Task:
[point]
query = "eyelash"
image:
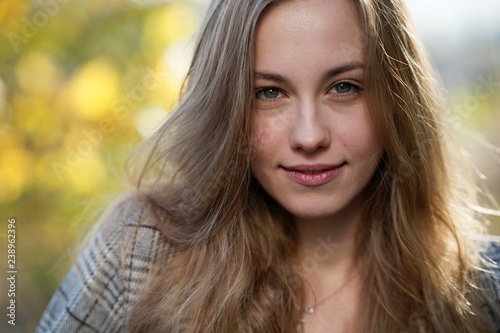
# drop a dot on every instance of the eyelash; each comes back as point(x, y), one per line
point(260, 91)
point(353, 86)
point(355, 89)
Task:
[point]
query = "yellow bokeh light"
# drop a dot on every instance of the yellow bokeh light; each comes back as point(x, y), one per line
point(35, 116)
point(166, 94)
point(150, 120)
point(10, 137)
point(37, 74)
point(168, 25)
point(178, 58)
point(15, 172)
point(93, 89)
point(84, 177)
point(11, 14)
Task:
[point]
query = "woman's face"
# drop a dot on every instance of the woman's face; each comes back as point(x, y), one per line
point(315, 148)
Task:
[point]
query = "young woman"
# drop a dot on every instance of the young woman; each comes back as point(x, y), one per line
point(306, 182)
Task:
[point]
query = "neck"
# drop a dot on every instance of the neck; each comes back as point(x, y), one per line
point(327, 252)
point(326, 245)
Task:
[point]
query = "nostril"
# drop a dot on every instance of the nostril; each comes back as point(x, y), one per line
point(310, 141)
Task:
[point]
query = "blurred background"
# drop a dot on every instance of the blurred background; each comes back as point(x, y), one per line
point(81, 81)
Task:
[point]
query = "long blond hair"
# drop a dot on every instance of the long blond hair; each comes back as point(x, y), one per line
point(234, 264)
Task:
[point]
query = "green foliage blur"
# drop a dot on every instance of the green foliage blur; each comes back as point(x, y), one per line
point(80, 82)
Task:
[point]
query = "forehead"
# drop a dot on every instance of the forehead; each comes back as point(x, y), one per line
point(319, 31)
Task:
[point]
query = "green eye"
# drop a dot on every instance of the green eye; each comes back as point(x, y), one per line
point(268, 93)
point(343, 88)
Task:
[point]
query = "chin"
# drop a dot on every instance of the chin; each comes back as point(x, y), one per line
point(320, 208)
point(311, 213)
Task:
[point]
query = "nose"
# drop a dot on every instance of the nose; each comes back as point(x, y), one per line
point(309, 131)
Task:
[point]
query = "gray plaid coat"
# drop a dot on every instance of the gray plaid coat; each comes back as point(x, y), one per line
point(97, 293)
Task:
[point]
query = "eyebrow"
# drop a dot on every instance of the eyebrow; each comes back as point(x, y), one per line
point(329, 74)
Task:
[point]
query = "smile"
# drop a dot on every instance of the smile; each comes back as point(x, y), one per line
point(313, 175)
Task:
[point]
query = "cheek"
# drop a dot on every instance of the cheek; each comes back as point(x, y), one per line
point(263, 134)
point(259, 138)
point(360, 135)
point(372, 138)
point(258, 161)
point(269, 139)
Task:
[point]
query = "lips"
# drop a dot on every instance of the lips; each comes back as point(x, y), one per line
point(313, 175)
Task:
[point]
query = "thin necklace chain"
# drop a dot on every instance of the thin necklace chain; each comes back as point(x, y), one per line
point(310, 309)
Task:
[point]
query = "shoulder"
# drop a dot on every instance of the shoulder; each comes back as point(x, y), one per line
point(127, 237)
point(488, 247)
point(492, 247)
point(489, 251)
point(131, 226)
point(98, 292)
point(488, 244)
point(489, 275)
